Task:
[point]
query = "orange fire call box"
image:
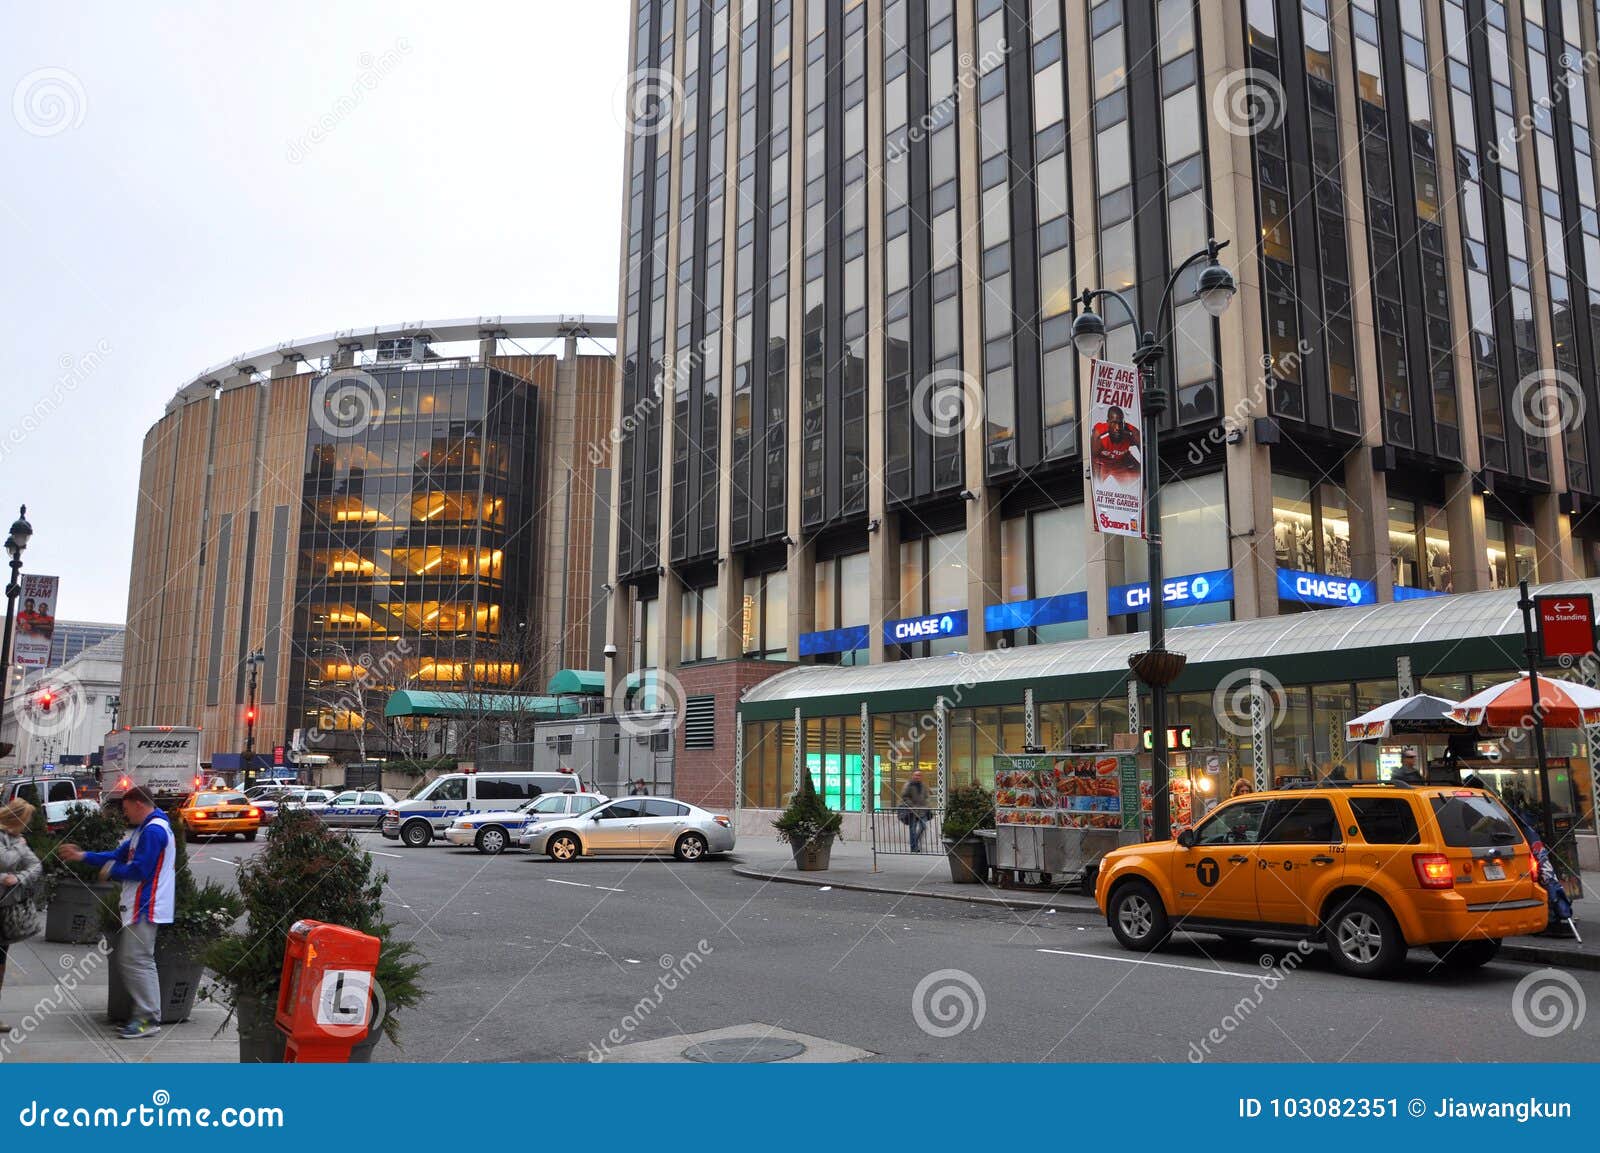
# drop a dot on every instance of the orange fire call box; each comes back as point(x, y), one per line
point(325, 995)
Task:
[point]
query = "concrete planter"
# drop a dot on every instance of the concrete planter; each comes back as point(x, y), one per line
point(73, 915)
point(969, 861)
point(812, 856)
point(179, 973)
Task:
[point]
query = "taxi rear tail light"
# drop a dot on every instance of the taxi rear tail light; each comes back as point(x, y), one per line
point(252, 812)
point(1434, 870)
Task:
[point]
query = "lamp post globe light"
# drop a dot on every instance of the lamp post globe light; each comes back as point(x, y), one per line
point(16, 542)
point(1156, 667)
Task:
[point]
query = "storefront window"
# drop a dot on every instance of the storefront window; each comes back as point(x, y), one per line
point(1335, 532)
point(1403, 543)
point(1292, 537)
point(1436, 545)
point(1500, 574)
point(1525, 553)
point(767, 769)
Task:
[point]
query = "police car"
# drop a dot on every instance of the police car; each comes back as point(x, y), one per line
point(434, 805)
point(353, 809)
point(495, 832)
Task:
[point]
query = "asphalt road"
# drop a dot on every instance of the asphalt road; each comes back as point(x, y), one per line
point(535, 961)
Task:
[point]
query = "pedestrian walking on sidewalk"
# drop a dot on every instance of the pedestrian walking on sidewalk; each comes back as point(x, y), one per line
point(913, 809)
point(144, 865)
point(20, 874)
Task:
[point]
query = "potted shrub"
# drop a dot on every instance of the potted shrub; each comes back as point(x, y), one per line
point(307, 871)
point(201, 914)
point(968, 809)
point(808, 826)
point(74, 893)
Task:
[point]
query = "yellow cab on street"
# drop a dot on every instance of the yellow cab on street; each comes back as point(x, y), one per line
point(212, 813)
point(1369, 869)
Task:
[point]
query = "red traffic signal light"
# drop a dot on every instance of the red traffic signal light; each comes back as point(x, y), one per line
point(250, 715)
point(46, 699)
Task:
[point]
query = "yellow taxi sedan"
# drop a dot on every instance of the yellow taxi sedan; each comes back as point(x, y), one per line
point(219, 815)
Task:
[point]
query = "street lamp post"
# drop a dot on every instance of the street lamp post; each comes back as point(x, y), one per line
point(16, 542)
point(1156, 667)
point(253, 662)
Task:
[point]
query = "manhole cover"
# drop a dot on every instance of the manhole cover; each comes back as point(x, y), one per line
point(744, 1050)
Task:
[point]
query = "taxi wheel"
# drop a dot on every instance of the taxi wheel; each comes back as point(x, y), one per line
point(1466, 954)
point(251, 835)
point(690, 847)
point(563, 847)
point(416, 835)
point(1137, 918)
point(492, 841)
point(190, 835)
point(1363, 938)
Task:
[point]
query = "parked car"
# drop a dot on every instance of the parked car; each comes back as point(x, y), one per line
point(57, 796)
point(353, 808)
point(635, 827)
point(431, 807)
point(304, 796)
point(1369, 869)
point(494, 832)
point(208, 814)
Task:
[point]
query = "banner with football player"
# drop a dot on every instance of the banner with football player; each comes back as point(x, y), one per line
point(1116, 449)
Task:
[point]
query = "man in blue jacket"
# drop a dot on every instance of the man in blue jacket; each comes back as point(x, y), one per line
point(144, 863)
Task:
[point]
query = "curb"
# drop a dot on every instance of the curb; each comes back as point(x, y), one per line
point(1072, 905)
point(1531, 953)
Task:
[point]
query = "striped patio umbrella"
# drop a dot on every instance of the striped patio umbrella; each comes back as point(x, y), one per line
point(1414, 715)
point(1562, 704)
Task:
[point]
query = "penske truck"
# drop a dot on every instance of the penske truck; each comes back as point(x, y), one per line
point(163, 759)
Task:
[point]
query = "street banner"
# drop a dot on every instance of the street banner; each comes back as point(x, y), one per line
point(1116, 450)
point(36, 622)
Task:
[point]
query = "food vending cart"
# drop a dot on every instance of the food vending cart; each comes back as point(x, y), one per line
point(1057, 814)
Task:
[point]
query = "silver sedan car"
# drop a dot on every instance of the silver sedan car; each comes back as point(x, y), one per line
point(633, 827)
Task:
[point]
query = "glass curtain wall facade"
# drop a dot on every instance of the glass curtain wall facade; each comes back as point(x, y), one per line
point(416, 546)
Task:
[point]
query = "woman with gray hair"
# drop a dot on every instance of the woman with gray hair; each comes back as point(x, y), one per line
point(20, 873)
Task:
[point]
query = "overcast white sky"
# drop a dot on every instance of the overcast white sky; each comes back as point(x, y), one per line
point(179, 204)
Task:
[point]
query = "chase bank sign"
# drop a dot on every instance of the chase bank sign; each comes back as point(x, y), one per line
point(912, 629)
point(1195, 589)
point(1313, 588)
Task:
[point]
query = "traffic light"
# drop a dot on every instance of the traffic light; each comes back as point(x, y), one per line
point(250, 716)
point(46, 699)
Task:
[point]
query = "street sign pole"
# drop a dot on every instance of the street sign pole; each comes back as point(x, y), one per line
point(1547, 817)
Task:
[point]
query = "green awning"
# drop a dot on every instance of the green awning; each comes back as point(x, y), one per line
point(575, 682)
point(417, 703)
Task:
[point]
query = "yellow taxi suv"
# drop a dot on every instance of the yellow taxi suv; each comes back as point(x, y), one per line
point(1368, 869)
point(212, 814)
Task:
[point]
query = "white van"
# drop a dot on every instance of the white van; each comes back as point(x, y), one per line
point(430, 807)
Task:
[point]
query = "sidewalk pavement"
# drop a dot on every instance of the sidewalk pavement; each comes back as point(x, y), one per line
point(54, 999)
point(928, 875)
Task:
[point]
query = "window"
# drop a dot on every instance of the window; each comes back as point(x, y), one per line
point(660, 742)
point(622, 810)
point(1233, 825)
point(1474, 822)
point(582, 803)
point(1385, 820)
point(448, 789)
point(657, 808)
point(345, 799)
point(1302, 822)
point(501, 789)
point(563, 744)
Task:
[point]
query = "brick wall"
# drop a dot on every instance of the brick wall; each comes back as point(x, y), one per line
point(706, 777)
